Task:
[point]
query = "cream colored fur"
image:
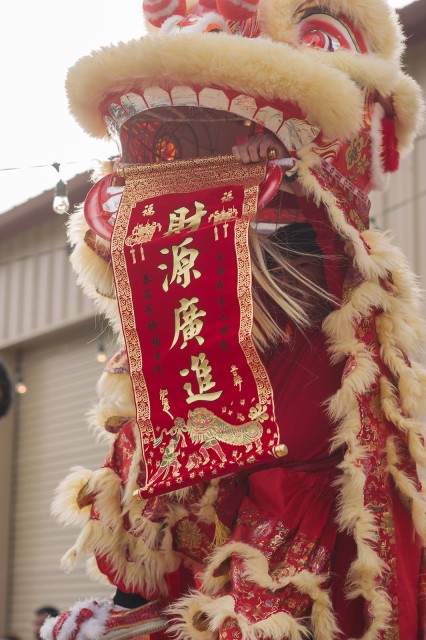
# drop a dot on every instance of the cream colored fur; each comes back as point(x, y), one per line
point(408, 489)
point(149, 544)
point(409, 108)
point(256, 67)
point(277, 627)
point(205, 508)
point(107, 537)
point(389, 82)
point(94, 275)
point(64, 506)
point(115, 397)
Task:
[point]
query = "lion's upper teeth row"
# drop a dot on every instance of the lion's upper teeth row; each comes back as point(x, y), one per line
point(293, 132)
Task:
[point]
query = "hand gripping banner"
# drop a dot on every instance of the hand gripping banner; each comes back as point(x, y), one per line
point(183, 283)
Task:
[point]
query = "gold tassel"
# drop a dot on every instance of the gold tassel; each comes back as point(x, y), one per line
point(221, 533)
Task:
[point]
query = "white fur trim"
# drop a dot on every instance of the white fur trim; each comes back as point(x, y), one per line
point(91, 629)
point(379, 177)
point(64, 506)
point(46, 630)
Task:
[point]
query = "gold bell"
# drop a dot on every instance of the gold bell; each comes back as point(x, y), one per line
point(272, 154)
point(280, 451)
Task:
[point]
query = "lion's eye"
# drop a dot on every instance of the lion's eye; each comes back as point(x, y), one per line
point(320, 40)
point(327, 33)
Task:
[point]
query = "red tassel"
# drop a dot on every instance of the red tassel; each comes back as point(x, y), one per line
point(390, 153)
point(237, 9)
point(157, 11)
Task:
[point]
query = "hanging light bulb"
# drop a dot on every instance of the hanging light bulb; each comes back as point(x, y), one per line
point(20, 386)
point(61, 204)
point(101, 355)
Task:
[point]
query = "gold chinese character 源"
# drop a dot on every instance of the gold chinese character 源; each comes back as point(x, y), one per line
point(183, 270)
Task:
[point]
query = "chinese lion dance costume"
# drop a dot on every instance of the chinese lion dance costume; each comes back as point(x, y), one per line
point(300, 512)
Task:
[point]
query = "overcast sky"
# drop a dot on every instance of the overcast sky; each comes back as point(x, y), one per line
point(39, 41)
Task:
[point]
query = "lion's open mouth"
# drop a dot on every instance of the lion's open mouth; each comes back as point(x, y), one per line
point(157, 125)
point(172, 133)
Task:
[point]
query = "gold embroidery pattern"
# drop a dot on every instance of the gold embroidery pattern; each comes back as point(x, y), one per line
point(124, 299)
point(244, 295)
point(203, 426)
point(149, 181)
point(188, 535)
point(374, 433)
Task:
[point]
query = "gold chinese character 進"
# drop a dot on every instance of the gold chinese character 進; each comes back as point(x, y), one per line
point(202, 369)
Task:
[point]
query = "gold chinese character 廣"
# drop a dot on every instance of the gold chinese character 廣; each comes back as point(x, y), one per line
point(191, 325)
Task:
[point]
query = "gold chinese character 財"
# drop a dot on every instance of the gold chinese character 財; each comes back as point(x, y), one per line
point(180, 220)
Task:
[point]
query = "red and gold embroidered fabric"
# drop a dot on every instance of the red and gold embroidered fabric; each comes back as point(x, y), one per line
point(183, 284)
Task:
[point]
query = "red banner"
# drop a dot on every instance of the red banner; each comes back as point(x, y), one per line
point(183, 283)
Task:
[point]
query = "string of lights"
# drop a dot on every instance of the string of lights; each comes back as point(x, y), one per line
point(88, 161)
point(61, 202)
point(41, 166)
